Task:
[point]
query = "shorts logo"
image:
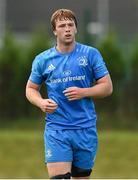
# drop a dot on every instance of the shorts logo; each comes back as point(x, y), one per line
point(48, 153)
point(83, 61)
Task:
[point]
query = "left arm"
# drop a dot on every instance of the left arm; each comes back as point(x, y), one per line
point(102, 88)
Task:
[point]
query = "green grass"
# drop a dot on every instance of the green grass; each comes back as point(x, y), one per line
point(22, 154)
point(117, 155)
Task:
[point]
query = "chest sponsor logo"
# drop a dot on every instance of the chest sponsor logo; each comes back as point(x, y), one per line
point(51, 67)
point(82, 61)
point(67, 72)
point(67, 79)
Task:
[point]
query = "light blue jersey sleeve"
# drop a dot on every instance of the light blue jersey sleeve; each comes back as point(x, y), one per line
point(36, 74)
point(98, 65)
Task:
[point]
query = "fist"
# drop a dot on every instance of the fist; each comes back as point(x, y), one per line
point(48, 105)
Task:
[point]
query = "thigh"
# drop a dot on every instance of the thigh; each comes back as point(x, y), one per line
point(58, 168)
point(85, 148)
point(57, 147)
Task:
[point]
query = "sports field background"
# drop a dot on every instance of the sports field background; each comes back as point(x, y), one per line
point(22, 152)
point(25, 32)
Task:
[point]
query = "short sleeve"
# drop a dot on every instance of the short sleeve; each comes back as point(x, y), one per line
point(36, 74)
point(98, 65)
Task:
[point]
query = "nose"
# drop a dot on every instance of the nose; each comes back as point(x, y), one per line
point(67, 28)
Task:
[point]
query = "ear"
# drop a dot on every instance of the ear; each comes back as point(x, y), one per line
point(76, 30)
point(55, 33)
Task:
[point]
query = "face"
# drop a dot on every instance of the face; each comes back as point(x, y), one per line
point(65, 31)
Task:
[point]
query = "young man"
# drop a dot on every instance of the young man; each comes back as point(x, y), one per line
point(74, 74)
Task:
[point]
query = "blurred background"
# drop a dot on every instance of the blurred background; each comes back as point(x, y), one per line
point(112, 27)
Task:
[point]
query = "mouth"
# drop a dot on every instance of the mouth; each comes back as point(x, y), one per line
point(68, 35)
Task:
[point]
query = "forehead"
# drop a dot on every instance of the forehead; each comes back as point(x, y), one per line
point(64, 21)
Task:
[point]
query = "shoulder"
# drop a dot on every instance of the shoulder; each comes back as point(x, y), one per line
point(41, 59)
point(86, 48)
point(44, 55)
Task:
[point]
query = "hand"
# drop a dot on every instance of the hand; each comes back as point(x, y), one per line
point(73, 93)
point(48, 105)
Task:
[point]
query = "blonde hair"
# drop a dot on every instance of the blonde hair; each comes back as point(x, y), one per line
point(62, 14)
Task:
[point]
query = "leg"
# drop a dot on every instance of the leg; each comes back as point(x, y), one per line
point(81, 177)
point(79, 173)
point(58, 154)
point(85, 148)
point(58, 169)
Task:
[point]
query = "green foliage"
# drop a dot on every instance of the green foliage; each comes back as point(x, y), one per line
point(132, 84)
point(134, 62)
point(39, 42)
point(15, 66)
point(113, 56)
point(9, 69)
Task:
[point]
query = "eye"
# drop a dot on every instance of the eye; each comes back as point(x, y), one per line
point(71, 24)
point(61, 25)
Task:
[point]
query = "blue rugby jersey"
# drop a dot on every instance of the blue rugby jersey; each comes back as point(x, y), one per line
point(80, 68)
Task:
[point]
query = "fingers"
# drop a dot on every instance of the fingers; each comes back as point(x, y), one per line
point(71, 93)
point(51, 101)
point(71, 96)
point(49, 110)
point(49, 106)
point(70, 89)
point(72, 99)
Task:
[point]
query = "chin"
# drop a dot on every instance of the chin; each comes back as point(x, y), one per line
point(68, 42)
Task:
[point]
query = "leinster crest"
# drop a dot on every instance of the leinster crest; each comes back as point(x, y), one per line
point(82, 61)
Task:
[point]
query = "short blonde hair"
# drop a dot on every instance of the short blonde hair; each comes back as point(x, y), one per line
point(62, 14)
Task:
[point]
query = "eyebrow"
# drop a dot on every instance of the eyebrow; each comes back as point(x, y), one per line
point(69, 23)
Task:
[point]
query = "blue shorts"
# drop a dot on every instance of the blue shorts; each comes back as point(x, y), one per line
point(77, 146)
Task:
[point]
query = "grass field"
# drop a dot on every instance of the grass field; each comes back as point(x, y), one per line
point(22, 154)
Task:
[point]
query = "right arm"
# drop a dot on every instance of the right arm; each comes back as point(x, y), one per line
point(33, 95)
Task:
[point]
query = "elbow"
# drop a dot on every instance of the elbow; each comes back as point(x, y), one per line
point(110, 90)
point(27, 93)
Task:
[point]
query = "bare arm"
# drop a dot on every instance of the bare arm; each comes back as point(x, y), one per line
point(34, 96)
point(102, 88)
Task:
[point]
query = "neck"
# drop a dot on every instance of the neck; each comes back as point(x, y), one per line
point(65, 48)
